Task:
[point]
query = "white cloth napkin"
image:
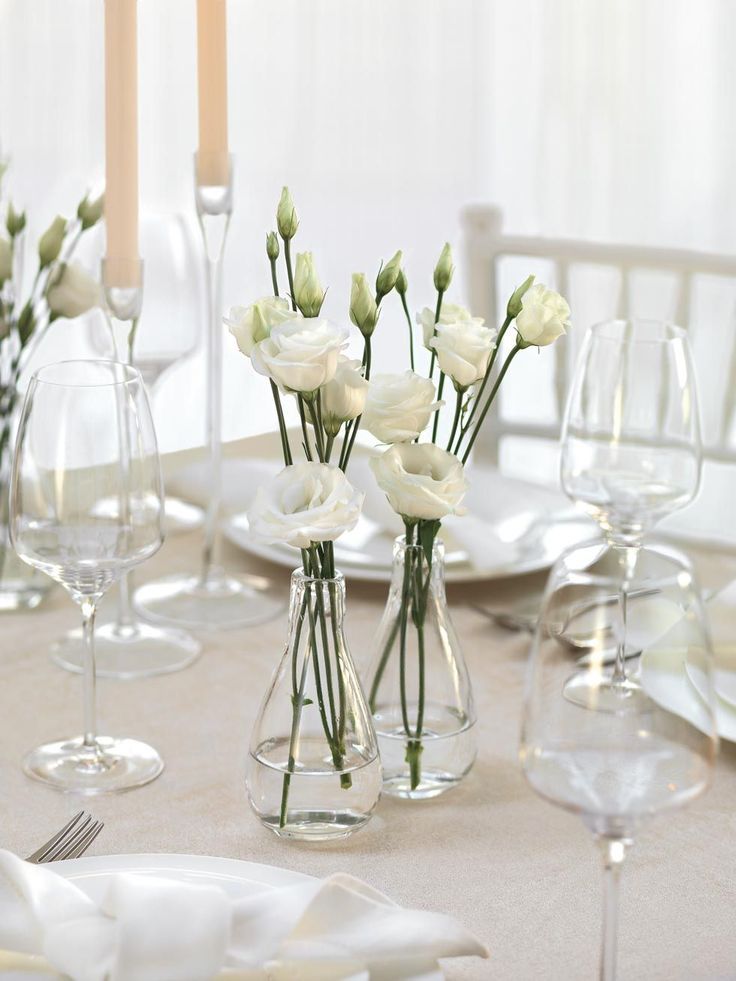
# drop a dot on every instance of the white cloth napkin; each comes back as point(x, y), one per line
point(155, 929)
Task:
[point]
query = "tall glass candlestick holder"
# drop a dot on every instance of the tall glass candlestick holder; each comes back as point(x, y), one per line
point(211, 598)
point(125, 646)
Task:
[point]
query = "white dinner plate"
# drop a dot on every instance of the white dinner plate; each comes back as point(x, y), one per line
point(235, 877)
point(512, 526)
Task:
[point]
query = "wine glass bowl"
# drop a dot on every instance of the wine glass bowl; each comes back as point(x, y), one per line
point(587, 747)
point(631, 449)
point(86, 507)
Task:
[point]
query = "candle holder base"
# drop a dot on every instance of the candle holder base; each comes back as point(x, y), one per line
point(129, 651)
point(220, 602)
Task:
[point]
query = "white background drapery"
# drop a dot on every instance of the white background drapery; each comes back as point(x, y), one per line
point(609, 120)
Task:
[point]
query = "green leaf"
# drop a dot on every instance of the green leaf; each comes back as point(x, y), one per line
point(427, 534)
point(296, 701)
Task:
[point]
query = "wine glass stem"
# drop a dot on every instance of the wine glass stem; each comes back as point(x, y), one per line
point(214, 231)
point(126, 616)
point(614, 853)
point(89, 608)
point(629, 564)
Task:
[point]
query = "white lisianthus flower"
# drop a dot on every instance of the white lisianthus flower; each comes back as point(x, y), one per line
point(305, 503)
point(6, 260)
point(343, 397)
point(73, 291)
point(300, 355)
point(421, 480)
point(545, 316)
point(463, 351)
point(251, 325)
point(398, 407)
point(450, 313)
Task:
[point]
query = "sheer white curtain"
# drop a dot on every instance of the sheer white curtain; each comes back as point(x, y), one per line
point(610, 120)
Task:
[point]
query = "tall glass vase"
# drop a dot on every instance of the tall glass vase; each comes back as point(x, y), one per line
point(313, 770)
point(211, 598)
point(418, 687)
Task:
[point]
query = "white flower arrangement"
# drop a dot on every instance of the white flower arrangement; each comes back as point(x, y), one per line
point(60, 288)
point(309, 505)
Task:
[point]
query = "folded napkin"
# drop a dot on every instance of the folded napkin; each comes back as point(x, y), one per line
point(155, 929)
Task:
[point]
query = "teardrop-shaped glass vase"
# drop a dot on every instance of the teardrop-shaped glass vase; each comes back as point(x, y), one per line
point(313, 769)
point(418, 686)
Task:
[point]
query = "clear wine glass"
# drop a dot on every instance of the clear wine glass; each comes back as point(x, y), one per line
point(86, 507)
point(619, 767)
point(631, 451)
point(166, 334)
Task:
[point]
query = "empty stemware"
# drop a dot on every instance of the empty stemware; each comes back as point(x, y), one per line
point(86, 507)
point(617, 766)
point(631, 451)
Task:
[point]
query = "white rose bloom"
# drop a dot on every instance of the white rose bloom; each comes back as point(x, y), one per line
point(6, 260)
point(398, 407)
point(300, 355)
point(74, 292)
point(463, 350)
point(450, 313)
point(544, 316)
point(421, 480)
point(343, 397)
point(251, 325)
point(305, 503)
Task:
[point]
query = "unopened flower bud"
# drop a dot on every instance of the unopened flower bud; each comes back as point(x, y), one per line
point(286, 218)
point(272, 246)
point(49, 245)
point(386, 279)
point(90, 212)
point(363, 308)
point(6, 260)
point(308, 292)
point(444, 269)
point(15, 221)
point(26, 323)
point(514, 305)
point(401, 283)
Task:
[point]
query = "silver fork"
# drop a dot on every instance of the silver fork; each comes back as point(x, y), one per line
point(71, 841)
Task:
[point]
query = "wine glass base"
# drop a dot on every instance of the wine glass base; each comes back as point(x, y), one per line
point(108, 766)
point(616, 697)
point(125, 652)
point(221, 602)
point(182, 516)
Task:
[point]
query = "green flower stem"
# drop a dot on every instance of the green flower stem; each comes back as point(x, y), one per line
point(436, 422)
point(437, 312)
point(458, 409)
point(349, 441)
point(286, 449)
point(328, 448)
point(289, 271)
point(298, 702)
point(385, 654)
point(479, 394)
point(411, 329)
point(403, 619)
point(305, 432)
point(314, 412)
point(274, 277)
point(514, 351)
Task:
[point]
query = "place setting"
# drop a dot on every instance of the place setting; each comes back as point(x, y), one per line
point(374, 552)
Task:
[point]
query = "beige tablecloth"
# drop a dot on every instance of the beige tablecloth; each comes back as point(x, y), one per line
point(520, 873)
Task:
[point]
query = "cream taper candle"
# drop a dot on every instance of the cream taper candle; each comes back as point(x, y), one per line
point(213, 162)
point(122, 264)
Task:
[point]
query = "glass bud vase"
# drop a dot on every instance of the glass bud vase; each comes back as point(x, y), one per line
point(314, 772)
point(418, 686)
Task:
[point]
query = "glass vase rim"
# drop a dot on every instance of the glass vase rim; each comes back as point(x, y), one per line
point(401, 541)
point(612, 331)
point(302, 577)
point(127, 374)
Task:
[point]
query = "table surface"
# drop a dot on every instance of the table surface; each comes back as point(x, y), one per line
point(523, 875)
